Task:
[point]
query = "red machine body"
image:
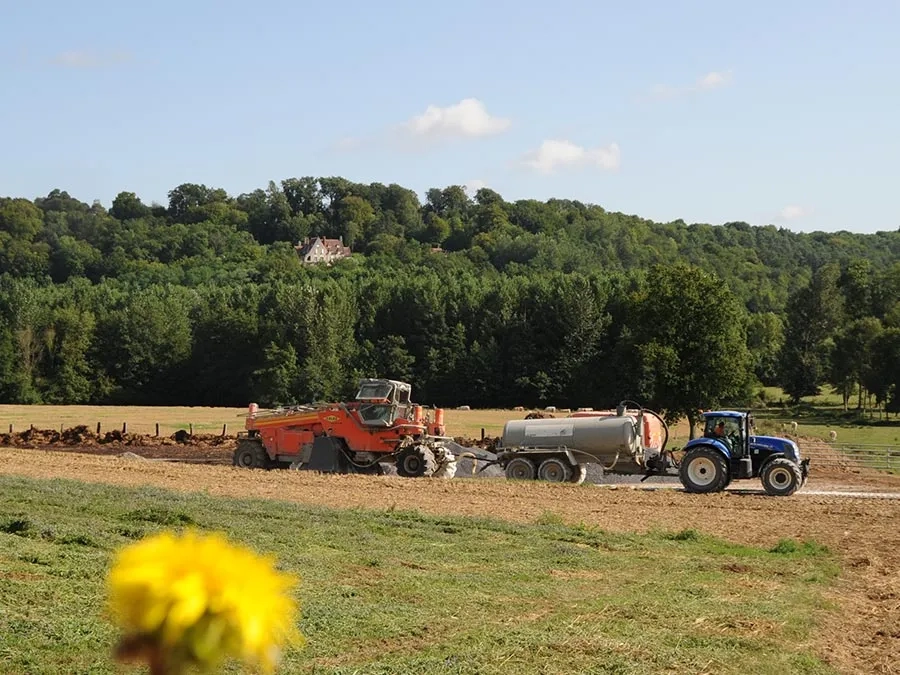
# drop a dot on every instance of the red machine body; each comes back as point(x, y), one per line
point(382, 425)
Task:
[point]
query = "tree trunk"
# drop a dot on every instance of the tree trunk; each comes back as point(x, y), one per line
point(692, 421)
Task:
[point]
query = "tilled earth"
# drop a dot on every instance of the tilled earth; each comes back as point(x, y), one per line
point(862, 637)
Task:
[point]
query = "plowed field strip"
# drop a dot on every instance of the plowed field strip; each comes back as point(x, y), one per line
point(863, 637)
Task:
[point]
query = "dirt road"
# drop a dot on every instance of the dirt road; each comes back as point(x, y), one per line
point(864, 637)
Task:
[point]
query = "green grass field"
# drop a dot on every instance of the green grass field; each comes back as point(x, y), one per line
point(401, 592)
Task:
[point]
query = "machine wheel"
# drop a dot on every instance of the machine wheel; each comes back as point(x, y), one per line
point(250, 455)
point(416, 462)
point(520, 468)
point(703, 470)
point(579, 473)
point(554, 470)
point(781, 477)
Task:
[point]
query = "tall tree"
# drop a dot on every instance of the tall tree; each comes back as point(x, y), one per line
point(813, 314)
point(689, 342)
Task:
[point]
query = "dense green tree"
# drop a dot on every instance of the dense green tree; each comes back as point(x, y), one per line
point(689, 341)
point(204, 300)
point(813, 314)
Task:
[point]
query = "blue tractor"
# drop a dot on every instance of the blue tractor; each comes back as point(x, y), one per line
point(728, 450)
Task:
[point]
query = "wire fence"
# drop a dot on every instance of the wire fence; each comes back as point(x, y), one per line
point(879, 457)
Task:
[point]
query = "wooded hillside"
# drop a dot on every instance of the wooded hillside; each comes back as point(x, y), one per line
point(205, 301)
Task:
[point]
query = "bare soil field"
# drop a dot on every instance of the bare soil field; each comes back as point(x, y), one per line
point(860, 636)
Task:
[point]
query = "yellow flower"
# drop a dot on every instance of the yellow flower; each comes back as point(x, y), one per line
point(198, 599)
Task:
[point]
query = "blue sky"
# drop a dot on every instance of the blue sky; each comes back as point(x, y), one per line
point(777, 112)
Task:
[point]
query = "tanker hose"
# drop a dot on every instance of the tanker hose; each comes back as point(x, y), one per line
point(594, 457)
point(623, 406)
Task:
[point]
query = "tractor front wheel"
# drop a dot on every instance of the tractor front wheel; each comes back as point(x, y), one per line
point(703, 470)
point(416, 462)
point(250, 454)
point(781, 477)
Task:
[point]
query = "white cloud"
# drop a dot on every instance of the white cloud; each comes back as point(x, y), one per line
point(473, 186)
point(468, 118)
point(554, 154)
point(792, 212)
point(89, 59)
point(712, 80)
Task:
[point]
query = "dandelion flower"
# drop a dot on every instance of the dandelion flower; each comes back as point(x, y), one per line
point(197, 599)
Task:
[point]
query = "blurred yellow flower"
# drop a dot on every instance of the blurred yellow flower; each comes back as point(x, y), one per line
point(199, 599)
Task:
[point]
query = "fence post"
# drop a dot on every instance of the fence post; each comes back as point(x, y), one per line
point(98, 428)
point(224, 429)
point(157, 429)
point(124, 427)
point(191, 427)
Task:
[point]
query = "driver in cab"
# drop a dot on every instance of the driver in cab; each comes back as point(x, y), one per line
point(720, 434)
point(719, 431)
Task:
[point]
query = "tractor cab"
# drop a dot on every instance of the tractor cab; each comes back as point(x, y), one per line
point(382, 402)
point(732, 429)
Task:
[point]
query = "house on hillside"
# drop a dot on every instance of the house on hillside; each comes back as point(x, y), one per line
point(319, 249)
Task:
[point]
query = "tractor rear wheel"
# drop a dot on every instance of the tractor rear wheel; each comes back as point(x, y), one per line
point(416, 462)
point(781, 477)
point(554, 470)
point(703, 470)
point(250, 454)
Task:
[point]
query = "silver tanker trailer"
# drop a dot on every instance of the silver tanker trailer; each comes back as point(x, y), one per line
point(633, 441)
point(558, 449)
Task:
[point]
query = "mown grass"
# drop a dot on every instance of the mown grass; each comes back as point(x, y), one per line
point(818, 416)
point(401, 592)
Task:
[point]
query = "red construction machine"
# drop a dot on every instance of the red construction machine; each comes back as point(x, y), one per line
point(381, 426)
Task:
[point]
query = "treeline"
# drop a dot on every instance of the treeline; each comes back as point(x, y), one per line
point(204, 301)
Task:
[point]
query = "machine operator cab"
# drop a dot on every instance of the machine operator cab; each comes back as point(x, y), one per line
point(732, 429)
point(382, 402)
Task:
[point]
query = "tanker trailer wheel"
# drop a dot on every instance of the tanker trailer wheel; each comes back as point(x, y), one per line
point(416, 462)
point(250, 454)
point(781, 477)
point(703, 470)
point(554, 470)
point(520, 468)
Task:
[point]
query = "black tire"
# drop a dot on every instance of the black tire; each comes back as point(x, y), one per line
point(250, 454)
point(703, 470)
point(416, 462)
point(554, 470)
point(781, 477)
point(521, 468)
